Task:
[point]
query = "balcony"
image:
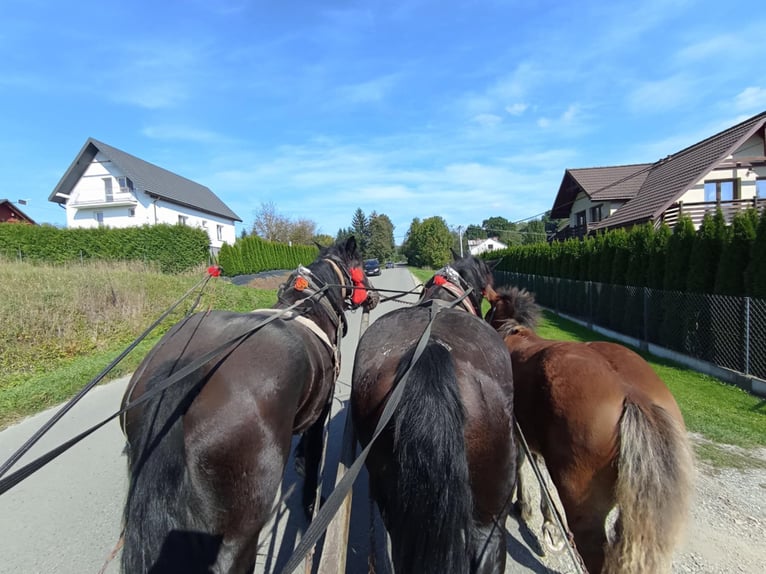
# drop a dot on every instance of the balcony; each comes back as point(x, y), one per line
point(121, 200)
point(697, 210)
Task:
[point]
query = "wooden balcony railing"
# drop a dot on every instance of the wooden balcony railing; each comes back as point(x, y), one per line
point(697, 210)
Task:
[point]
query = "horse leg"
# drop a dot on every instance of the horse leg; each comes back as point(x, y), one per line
point(553, 540)
point(488, 549)
point(313, 442)
point(522, 506)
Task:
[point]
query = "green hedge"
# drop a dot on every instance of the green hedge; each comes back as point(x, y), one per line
point(716, 259)
point(175, 248)
point(253, 255)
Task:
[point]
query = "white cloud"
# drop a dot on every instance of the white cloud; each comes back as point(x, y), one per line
point(487, 120)
point(374, 90)
point(752, 98)
point(661, 95)
point(183, 133)
point(516, 109)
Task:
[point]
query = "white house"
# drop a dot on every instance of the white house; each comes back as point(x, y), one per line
point(477, 246)
point(105, 186)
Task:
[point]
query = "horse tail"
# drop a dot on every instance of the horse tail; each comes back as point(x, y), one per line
point(654, 483)
point(155, 516)
point(429, 507)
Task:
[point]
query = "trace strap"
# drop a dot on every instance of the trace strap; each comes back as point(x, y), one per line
point(334, 501)
point(12, 480)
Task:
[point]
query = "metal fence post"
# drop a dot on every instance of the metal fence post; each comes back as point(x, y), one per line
point(747, 335)
point(646, 316)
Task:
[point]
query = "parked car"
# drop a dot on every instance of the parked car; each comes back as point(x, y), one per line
point(371, 267)
point(389, 264)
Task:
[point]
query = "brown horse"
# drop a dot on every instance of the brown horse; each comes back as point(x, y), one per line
point(443, 470)
point(610, 433)
point(206, 455)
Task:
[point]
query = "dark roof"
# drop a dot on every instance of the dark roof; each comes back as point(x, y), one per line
point(599, 183)
point(155, 180)
point(674, 175)
point(18, 211)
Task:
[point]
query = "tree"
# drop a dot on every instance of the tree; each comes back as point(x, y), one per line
point(361, 228)
point(706, 253)
point(381, 238)
point(428, 243)
point(271, 225)
point(534, 232)
point(756, 271)
point(323, 239)
point(735, 255)
point(475, 232)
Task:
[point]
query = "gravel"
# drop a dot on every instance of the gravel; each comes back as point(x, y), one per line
point(726, 532)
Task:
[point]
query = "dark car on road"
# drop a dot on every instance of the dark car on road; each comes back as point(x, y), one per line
point(371, 267)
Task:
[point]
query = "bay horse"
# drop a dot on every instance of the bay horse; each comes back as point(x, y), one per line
point(443, 470)
point(206, 456)
point(610, 433)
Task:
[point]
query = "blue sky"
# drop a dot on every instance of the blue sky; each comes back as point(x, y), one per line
point(461, 109)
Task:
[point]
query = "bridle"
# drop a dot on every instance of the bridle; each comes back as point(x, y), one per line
point(450, 280)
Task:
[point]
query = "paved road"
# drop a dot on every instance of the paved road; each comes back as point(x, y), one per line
point(66, 518)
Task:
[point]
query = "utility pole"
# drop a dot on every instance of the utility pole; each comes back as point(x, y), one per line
point(460, 239)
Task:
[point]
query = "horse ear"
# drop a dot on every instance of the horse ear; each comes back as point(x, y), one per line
point(493, 263)
point(455, 256)
point(319, 245)
point(350, 246)
point(491, 295)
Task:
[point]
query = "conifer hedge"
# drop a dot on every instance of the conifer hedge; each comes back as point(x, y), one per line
point(252, 255)
point(715, 259)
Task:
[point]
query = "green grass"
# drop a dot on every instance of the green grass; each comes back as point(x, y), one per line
point(63, 326)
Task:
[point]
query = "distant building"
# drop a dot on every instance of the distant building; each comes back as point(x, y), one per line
point(10, 213)
point(478, 246)
point(105, 186)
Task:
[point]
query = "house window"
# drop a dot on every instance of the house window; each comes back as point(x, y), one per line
point(131, 212)
point(182, 219)
point(595, 213)
point(760, 187)
point(108, 189)
point(580, 219)
point(219, 232)
point(126, 185)
point(99, 215)
point(722, 190)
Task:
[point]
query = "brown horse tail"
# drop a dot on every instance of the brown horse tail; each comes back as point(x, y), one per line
point(429, 505)
point(654, 483)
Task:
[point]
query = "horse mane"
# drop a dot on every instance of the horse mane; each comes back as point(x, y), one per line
point(526, 312)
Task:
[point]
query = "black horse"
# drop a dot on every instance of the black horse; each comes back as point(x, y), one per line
point(206, 456)
point(443, 470)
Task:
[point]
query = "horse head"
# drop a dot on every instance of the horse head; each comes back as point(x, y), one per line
point(335, 282)
point(468, 277)
point(511, 306)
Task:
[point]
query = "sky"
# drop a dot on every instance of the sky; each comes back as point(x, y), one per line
point(415, 108)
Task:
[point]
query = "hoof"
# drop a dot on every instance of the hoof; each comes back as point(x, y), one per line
point(552, 539)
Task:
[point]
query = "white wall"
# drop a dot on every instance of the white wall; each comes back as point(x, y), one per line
point(88, 197)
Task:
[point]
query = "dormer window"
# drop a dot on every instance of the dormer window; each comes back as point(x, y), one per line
point(126, 184)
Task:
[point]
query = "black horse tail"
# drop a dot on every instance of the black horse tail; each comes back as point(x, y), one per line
point(430, 505)
point(156, 517)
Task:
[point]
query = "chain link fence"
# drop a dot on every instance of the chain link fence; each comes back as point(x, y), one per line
point(727, 331)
